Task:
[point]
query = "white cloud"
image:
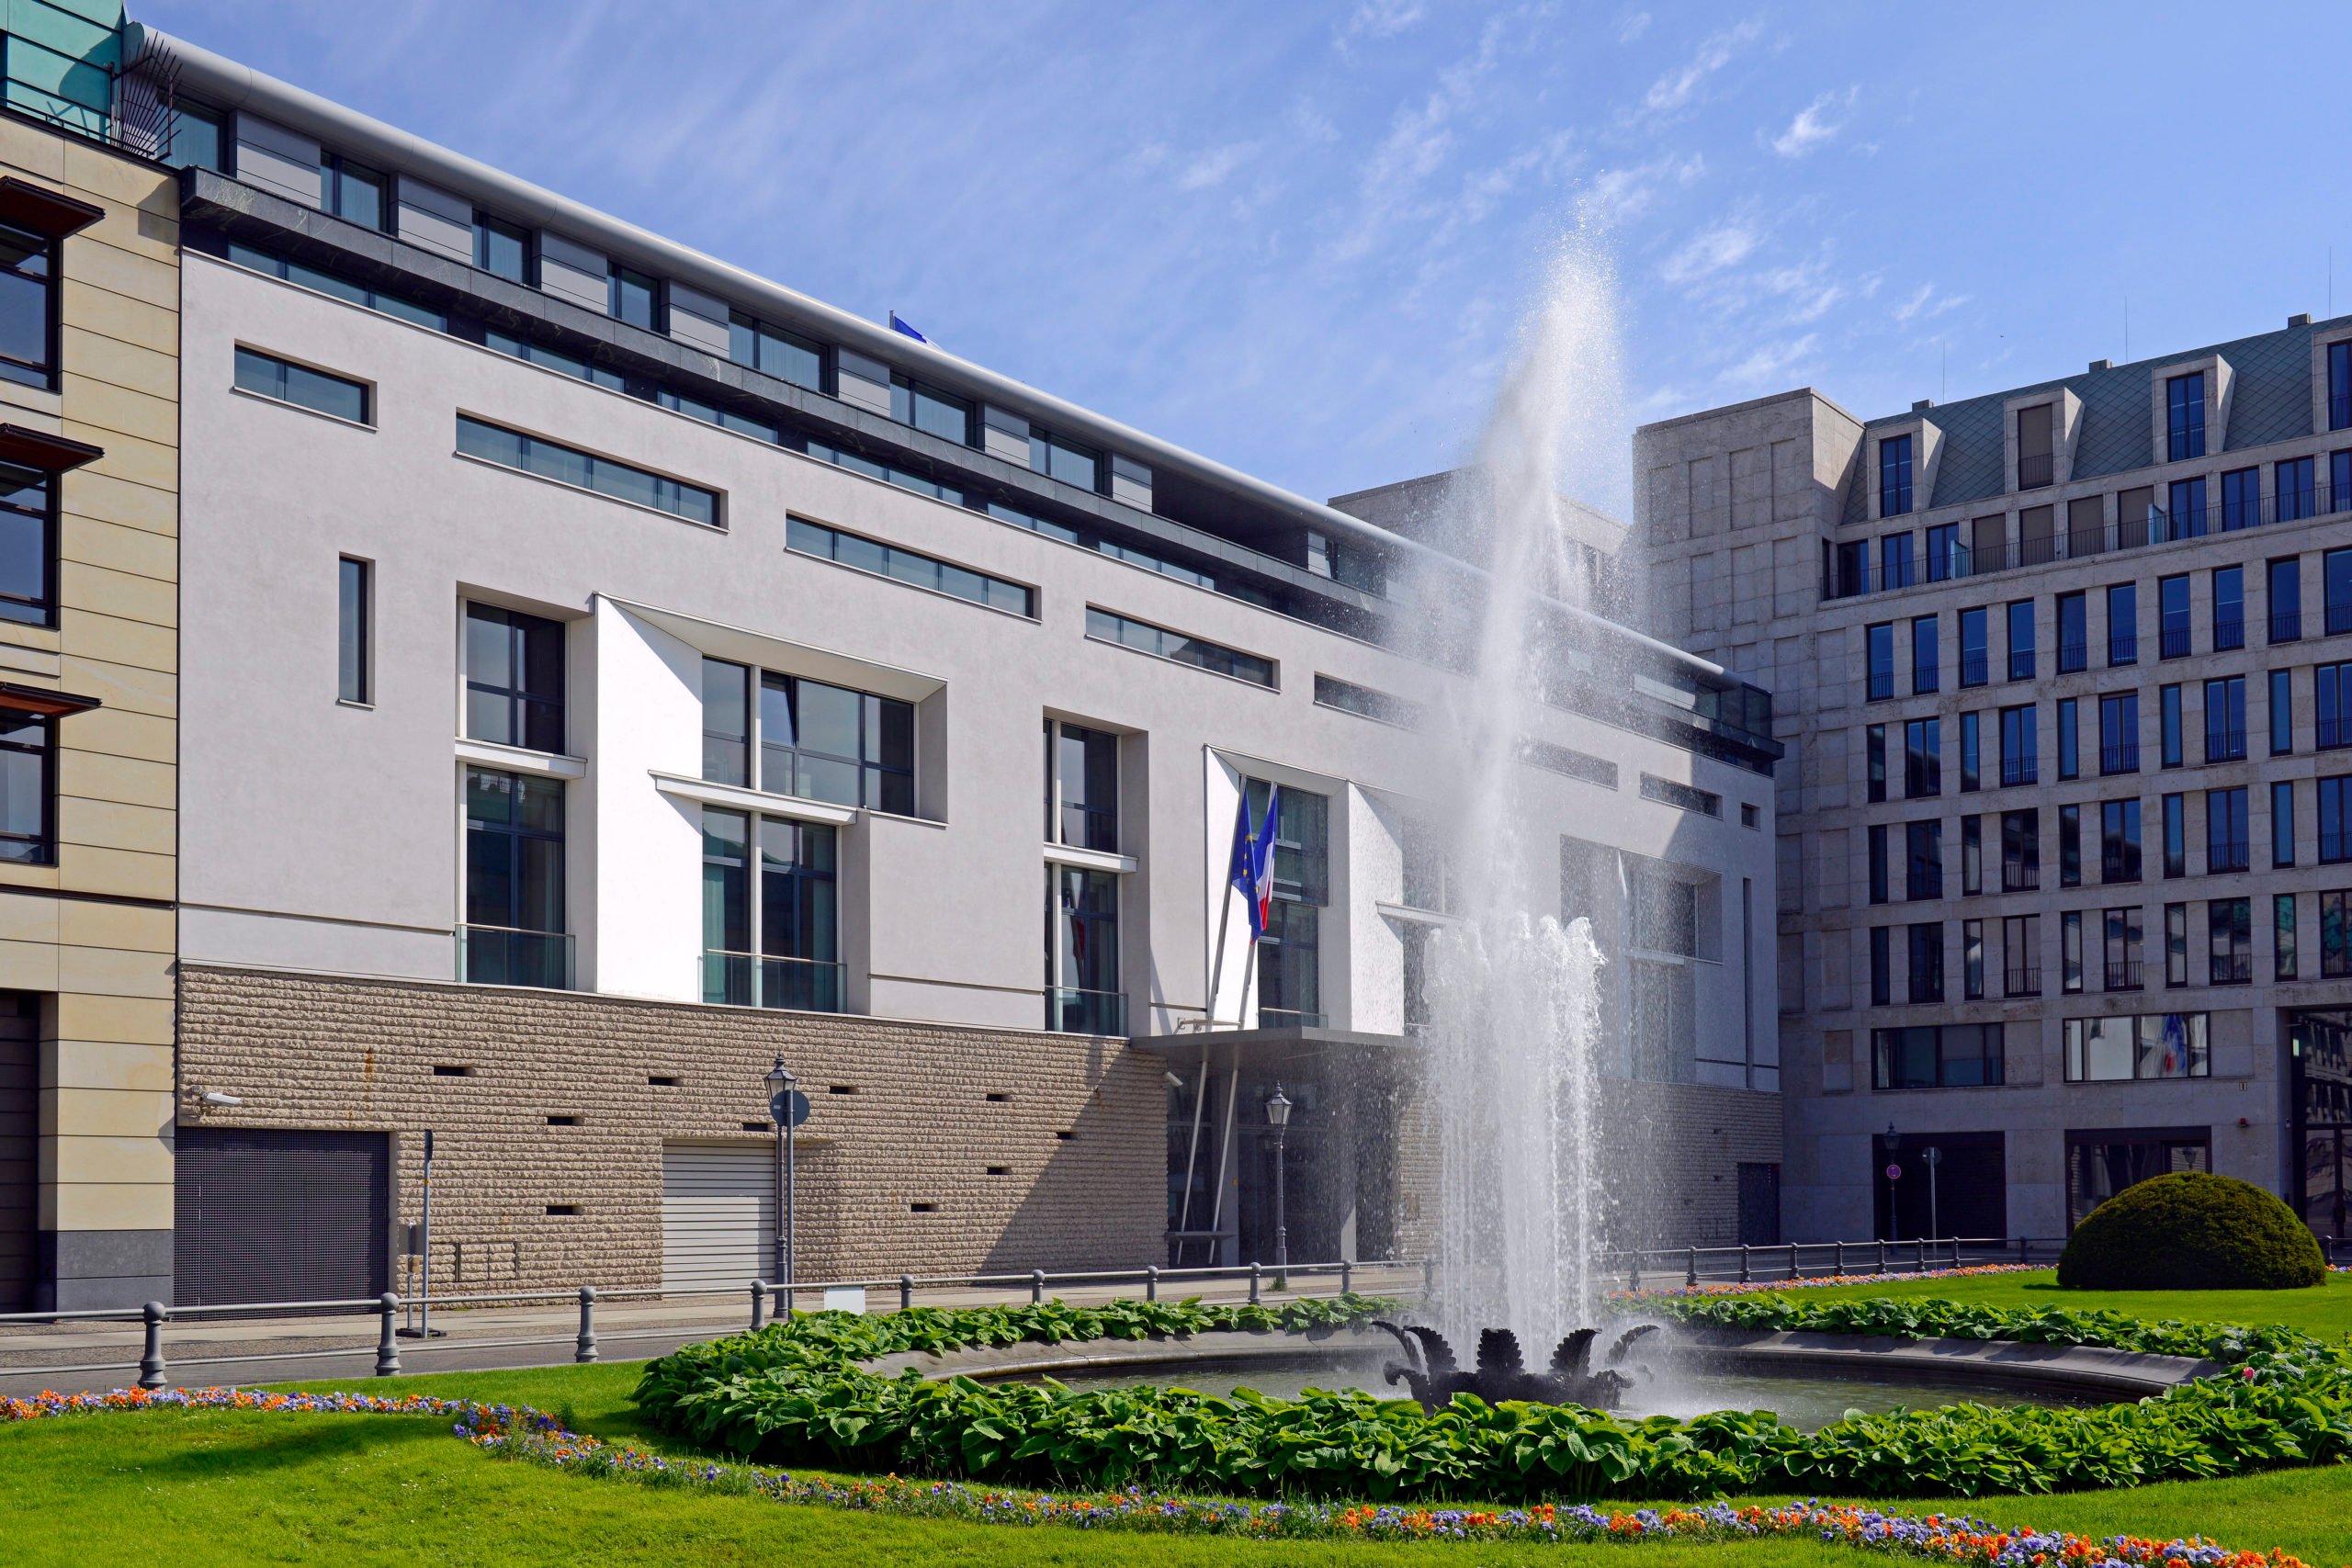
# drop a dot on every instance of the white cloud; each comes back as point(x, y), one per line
point(1813, 126)
point(1635, 25)
point(1678, 87)
point(1209, 169)
point(1771, 361)
point(1419, 139)
point(1618, 196)
point(1810, 295)
point(1378, 19)
point(1925, 305)
point(1710, 251)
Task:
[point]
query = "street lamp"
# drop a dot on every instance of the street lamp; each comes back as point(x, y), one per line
point(780, 1083)
point(1278, 1118)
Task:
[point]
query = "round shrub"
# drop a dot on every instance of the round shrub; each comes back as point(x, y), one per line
point(2191, 1231)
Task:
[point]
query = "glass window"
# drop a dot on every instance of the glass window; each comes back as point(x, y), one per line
point(2229, 925)
point(2282, 712)
point(2283, 958)
point(726, 888)
point(2187, 516)
point(1058, 457)
point(2123, 623)
point(2295, 489)
point(27, 308)
point(2175, 813)
point(726, 722)
point(1289, 980)
point(1082, 787)
point(197, 139)
point(1926, 966)
point(1947, 556)
point(1924, 672)
point(2070, 763)
point(2153, 1046)
point(1972, 856)
point(1924, 856)
point(1082, 951)
point(2285, 584)
point(567, 464)
point(1950, 1056)
point(2225, 719)
point(1103, 625)
point(2070, 846)
point(1894, 476)
point(2021, 850)
point(1875, 749)
point(353, 612)
point(2074, 632)
point(2229, 607)
point(2335, 935)
point(2176, 944)
point(2225, 830)
point(2334, 821)
point(2335, 583)
point(2070, 950)
point(2241, 498)
point(830, 743)
point(634, 298)
point(1877, 643)
point(2331, 700)
point(540, 355)
point(515, 892)
point(2184, 416)
point(28, 534)
point(2018, 740)
point(2022, 640)
point(2121, 949)
point(2339, 385)
point(513, 679)
point(1881, 965)
point(1876, 837)
point(2282, 823)
point(502, 248)
point(1971, 960)
point(334, 396)
point(2118, 840)
point(353, 191)
point(2119, 733)
point(908, 565)
point(2021, 955)
point(1923, 768)
point(2172, 616)
point(928, 408)
point(1853, 568)
point(1973, 647)
point(1971, 752)
point(772, 942)
point(27, 746)
point(1895, 569)
point(2169, 744)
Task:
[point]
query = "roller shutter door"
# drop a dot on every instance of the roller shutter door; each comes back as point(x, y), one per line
point(280, 1216)
point(718, 1215)
point(19, 1149)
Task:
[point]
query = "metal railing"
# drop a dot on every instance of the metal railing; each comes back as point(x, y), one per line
point(2226, 854)
point(2122, 648)
point(2122, 757)
point(2020, 876)
point(2224, 745)
point(1973, 670)
point(2332, 732)
point(2172, 642)
point(2119, 867)
point(2124, 975)
point(2020, 770)
point(2021, 664)
point(2229, 634)
point(1660, 1266)
point(2036, 470)
point(1881, 685)
point(1073, 1011)
point(2338, 617)
point(766, 1297)
point(2074, 657)
point(2287, 626)
point(2232, 968)
point(2021, 982)
point(504, 955)
point(2335, 848)
point(762, 980)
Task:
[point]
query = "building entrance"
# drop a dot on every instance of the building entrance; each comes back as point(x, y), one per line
point(2320, 1050)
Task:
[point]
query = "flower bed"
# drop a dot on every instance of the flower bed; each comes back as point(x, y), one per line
point(533, 1437)
point(793, 1393)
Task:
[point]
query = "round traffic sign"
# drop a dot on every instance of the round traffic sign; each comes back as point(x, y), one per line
point(798, 1107)
point(1894, 1173)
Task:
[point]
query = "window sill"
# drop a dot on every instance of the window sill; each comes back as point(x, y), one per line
point(515, 759)
point(302, 407)
point(736, 797)
point(1093, 860)
point(1413, 915)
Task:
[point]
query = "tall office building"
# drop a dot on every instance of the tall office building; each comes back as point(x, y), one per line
point(2065, 862)
point(608, 671)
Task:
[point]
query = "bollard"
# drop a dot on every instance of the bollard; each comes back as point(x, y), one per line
point(1428, 1275)
point(1837, 1261)
point(1633, 1274)
point(1254, 1272)
point(1881, 1256)
point(585, 1348)
point(1793, 1260)
point(906, 1292)
point(151, 1358)
point(758, 1303)
point(1347, 1278)
point(2022, 1257)
point(1036, 1286)
point(1151, 1283)
point(1690, 1267)
point(1742, 1263)
point(1920, 1248)
point(387, 1349)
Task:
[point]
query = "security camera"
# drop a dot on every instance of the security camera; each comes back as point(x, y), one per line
point(214, 1096)
point(1173, 1081)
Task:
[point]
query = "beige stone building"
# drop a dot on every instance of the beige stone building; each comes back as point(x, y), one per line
point(89, 427)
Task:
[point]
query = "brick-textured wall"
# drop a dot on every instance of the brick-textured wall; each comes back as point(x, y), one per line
point(1081, 1133)
point(1679, 1147)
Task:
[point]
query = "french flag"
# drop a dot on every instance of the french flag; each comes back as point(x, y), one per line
point(1252, 869)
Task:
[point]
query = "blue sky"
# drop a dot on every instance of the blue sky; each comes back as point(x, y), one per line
point(1298, 239)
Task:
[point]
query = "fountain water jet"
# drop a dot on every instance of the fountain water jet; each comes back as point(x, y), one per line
point(1514, 1042)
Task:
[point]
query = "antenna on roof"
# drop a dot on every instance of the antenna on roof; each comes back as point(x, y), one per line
point(2127, 329)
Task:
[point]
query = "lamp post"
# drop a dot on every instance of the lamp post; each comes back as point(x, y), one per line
point(1278, 1118)
point(780, 1082)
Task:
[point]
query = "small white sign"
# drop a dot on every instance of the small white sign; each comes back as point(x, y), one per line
point(846, 1298)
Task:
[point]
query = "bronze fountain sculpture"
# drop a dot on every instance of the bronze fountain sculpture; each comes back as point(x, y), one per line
point(1432, 1373)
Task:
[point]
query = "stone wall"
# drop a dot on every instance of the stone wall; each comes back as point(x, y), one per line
point(903, 1114)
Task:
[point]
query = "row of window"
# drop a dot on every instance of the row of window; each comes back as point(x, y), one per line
point(2097, 1050)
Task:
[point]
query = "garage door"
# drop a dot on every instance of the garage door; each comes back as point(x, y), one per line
point(280, 1216)
point(718, 1215)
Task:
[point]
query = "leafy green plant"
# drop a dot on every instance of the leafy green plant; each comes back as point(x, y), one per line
point(795, 1393)
point(2192, 1231)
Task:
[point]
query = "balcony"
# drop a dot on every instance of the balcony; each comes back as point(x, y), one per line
point(760, 980)
point(2021, 664)
point(2233, 969)
point(1972, 670)
point(2020, 770)
point(2021, 982)
point(1882, 685)
point(1289, 1017)
point(503, 955)
point(2073, 656)
point(2228, 633)
point(1071, 1012)
point(2173, 643)
point(2123, 976)
point(2225, 854)
point(2339, 617)
point(2287, 626)
point(2123, 648)
point(2122, 757)
point(2020, 876)
point(2037, 471)
point(2225, 745)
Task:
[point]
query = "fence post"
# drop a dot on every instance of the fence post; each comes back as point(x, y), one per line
point(1793, 1260)
point(906, 1292)
point(151, 1355)
point(758, 1303)
point(1634, 1275)
point(1919, 1249)
point(1036, 1286)
point(1838, 1262)
point(1742, 1263)
point(387, 1349)
point(584, 1348)
point(1690, 1267)
point(1254, 1272)
point(1151, 1283)
point(1881, 1256)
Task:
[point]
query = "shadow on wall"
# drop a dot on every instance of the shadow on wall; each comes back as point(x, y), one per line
point(1099, 1201)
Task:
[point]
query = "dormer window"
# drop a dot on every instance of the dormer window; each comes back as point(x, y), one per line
point(1894, 476)
point(2185, 417)
point(2037, 461)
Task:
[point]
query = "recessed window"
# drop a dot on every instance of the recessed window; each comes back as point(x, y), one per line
point(1103, 625)
point(1749, 817)
point(1058, 457)
point(2150, 1045)
point(903, 565)
point(1348, 697)
point(922, 1208)
point(327, 282)
point(514, 934)
point(27, 546)
point(770, 923)
point(28, 307)
point(1682, 795)
point(196, 138)
point(502, 248)
point(772, 350)
point(928, 408)
point(996, 1098)
point(1081, 787)
point(814, 741)
point(27, 745)
point(355, 613)
point(1573, 764)
point(353, 191)
point(337, 397)
point(552, 359)
point(634, 298)
point(566, 464)
point(999, 1170)
point(513, 679)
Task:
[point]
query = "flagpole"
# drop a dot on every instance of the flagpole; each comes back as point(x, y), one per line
point(1217, 977)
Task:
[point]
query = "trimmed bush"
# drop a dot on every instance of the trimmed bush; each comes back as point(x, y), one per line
point(2191, 1231)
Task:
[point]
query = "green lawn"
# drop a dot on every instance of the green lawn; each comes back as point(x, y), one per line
point(227, 1487)
point(2325, 1311)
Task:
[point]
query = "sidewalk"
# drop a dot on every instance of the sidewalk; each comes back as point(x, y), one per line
point(74, 1356)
